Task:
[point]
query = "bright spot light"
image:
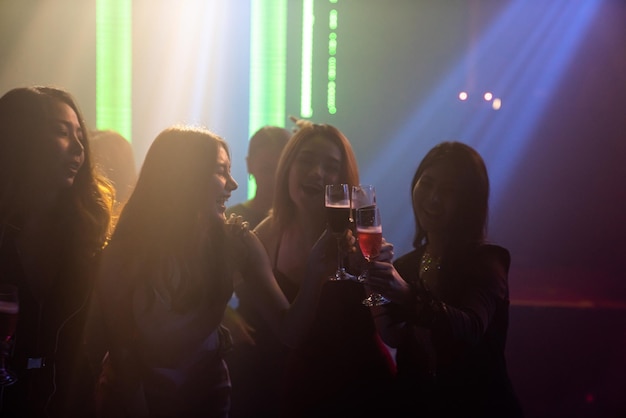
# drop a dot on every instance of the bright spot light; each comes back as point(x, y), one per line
point(463, 95)
point(496, 104)
point(488, 96)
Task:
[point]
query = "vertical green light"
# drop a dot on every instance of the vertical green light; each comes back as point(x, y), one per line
point(331, 93)
point(114, 66)
point(306, 79)
point(268, 67)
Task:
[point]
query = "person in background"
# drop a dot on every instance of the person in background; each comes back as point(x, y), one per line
point(450, 311)
point(167, 276)
point(114, 156)
point(342, 363)
point(55, 216)
point(249, 388)
point(264, 151)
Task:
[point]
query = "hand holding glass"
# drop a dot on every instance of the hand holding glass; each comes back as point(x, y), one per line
point(369, 232)
point(338, 213)
point(9, 308)
point(363, 196)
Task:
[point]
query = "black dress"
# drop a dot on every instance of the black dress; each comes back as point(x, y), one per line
point(48, 353)
point(451, 361)
point(341, 369)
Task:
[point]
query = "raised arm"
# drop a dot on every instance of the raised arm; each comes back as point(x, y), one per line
point(289, 322)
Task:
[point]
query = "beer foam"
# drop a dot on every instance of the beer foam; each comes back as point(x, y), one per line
point(9, 307)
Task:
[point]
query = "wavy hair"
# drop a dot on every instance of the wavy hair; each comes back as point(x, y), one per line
point(24, 126)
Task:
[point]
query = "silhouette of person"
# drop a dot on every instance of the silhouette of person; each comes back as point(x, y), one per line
point(342, 361)
point(449, 316)
point(167, 276)
point(114, 156)
point(54, 220)
point(264, 151)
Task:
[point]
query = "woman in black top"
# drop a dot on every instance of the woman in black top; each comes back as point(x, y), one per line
point(449, 318)
point(54, 220)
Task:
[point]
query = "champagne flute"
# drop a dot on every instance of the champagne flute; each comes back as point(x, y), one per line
point(362, 196)
point(9, 307)
point(369, 232)
point(338, 213)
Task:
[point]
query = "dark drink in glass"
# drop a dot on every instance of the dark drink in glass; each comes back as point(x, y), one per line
point(338, 217)
point(337, 202)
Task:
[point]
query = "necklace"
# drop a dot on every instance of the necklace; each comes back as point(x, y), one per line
point(429, 263)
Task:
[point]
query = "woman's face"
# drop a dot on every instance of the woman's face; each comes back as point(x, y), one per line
point(64, 150)
point(221, 185)
point(435, 198)
point(317, 163)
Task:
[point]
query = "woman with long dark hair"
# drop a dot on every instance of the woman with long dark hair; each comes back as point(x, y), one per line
point(449, 316)
point(55, 216)
point(168, 274)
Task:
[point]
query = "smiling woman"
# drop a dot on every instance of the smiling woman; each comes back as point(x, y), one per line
point(343, 361)
point(449, 315)
point(54, 220)
point(167, 276)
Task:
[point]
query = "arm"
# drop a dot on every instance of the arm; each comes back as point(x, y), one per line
point(290, 322)
point(467, 320)
point(478, 291)
point(385, 279)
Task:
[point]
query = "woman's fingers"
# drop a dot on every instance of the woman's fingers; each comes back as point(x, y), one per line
point(386, 252)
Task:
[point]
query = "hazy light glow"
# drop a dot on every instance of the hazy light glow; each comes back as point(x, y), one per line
point(306, 78)
point(331, 92)
point(488, 96)
point(114, 66)
point(463, 95)
point(332, 17)
point(268, 67)
point(545, 39)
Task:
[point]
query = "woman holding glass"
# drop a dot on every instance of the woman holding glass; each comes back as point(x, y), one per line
point(167, 276)
point(342, 362)
point(54, 220)
point(449, 316)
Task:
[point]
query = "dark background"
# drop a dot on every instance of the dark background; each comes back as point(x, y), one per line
point(555, 151)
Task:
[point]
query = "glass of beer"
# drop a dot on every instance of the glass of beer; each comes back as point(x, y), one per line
point(9, 307)
point(338, 214)
point(369, 233)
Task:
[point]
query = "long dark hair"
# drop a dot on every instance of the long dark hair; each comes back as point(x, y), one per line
point(164, 216)
point(24, 126)
point(470, 220)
